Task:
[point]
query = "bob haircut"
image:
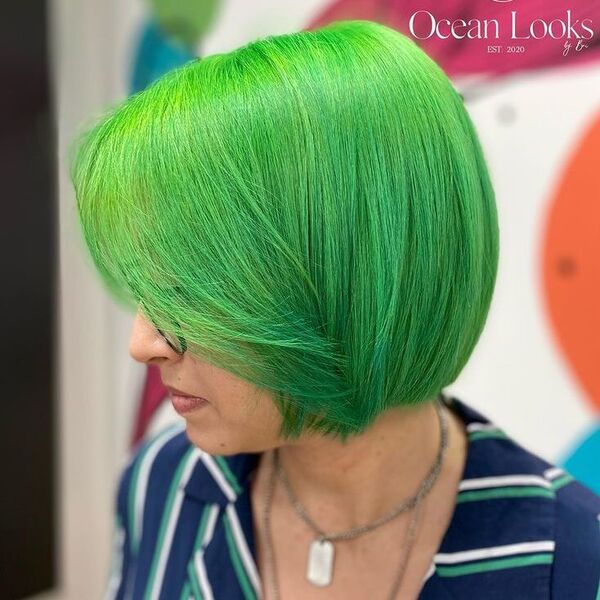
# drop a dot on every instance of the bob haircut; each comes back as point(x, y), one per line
point(311, 211)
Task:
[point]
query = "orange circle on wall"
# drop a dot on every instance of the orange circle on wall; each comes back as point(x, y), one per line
point(571, 262)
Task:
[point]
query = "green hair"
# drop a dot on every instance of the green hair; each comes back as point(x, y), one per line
point(311, 211)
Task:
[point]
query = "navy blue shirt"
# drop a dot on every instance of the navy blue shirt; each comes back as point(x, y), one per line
point(522, 528)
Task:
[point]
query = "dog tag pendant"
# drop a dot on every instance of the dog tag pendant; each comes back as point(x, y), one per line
point(320, 562)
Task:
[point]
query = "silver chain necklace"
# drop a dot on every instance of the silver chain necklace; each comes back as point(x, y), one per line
point(321, 550)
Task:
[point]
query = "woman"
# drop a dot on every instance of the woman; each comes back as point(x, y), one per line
point(307, 230)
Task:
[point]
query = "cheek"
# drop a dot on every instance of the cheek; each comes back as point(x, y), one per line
point(253, 412)
point(249, 423)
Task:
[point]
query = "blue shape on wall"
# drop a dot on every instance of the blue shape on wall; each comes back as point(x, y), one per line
point(584, 462)
point(156, 55)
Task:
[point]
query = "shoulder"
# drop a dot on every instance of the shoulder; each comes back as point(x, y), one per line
point(576, 566)
point(510, 496)
point(495, 452)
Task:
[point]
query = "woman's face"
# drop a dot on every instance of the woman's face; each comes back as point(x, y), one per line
point(238, 417)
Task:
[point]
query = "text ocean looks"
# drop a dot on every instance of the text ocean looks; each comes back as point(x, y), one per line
point(424, 25)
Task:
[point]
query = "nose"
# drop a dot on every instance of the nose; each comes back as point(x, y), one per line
point(146, 345)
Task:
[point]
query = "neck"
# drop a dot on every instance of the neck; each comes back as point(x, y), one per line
point(356, 482)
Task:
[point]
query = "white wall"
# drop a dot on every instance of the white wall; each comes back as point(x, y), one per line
point(88, 51)
point(516, 374)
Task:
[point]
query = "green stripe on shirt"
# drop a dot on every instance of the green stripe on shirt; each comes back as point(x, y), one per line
point(193, 581)
point(504, 492)
point(562, 481)
point(494, 565)
point(231, 478)
point(236, 560)
point(485, 434)
point(186, 591)
point(193, 586)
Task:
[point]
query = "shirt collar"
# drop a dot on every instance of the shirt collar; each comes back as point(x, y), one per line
point(467, 413)
point(221, 479)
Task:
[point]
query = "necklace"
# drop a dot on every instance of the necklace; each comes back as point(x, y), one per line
point(321, 550)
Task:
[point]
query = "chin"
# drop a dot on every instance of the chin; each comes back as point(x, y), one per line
point(211, 442)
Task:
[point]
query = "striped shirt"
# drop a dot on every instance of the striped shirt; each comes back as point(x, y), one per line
point(522, 528)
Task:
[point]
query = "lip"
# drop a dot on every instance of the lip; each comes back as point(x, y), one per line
point(176, 392)
point(187, 404)
point(184, 403)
